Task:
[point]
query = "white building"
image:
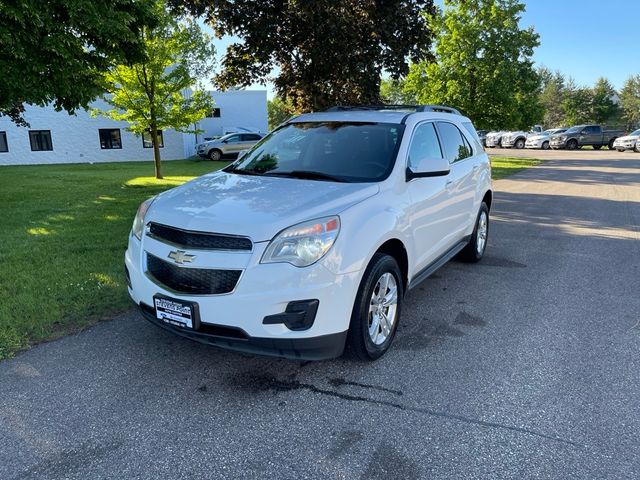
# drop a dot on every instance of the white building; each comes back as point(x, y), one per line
point(57, 137)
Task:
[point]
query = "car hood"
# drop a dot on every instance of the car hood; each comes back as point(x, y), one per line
point(253, 206)
point(538, 137)
point(628, 137)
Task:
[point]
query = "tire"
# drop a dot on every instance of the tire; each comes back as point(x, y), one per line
point(597, 147)
point(500, 143)
point(519, 144)
point(572, 144)
point(474, 251)
point(545, 145)
point(371, 346)
point(620, 149)
point(215, 155)
point(637, 147)
point(611, 143)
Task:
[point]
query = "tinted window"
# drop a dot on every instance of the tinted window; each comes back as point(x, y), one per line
point(40, 140)
point(424, 144)
point(146, 140)
point(344, 151)
point(4, 147)
point(471, 130)
point(233, 138)
point(214, 113)
point(455, 145)
point(110, 138)
point(250, 137)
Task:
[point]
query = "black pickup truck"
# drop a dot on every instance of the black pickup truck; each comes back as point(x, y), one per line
point(582, 135)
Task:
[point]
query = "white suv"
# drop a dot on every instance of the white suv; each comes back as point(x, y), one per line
point(311, 239)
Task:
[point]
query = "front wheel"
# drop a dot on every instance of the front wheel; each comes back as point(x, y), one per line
point(572, 144)
point(474, 251)
point(520, 144)
point(545, 145)
point(215, 155)
point(377, 308)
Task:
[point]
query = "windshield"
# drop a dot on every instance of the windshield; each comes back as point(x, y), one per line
point(635, 133)
point(575, 129)
point(330, 151)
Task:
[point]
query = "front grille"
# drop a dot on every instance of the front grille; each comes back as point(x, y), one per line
point(201, 240)
point(198, 281)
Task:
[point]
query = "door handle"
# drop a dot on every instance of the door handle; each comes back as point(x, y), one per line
point(449, 183)
point(476, 167)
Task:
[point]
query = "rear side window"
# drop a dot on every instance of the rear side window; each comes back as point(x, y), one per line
point(4, 147)
point(471, 130)
point(249, 137)
point(455, 146)
point(424, 144)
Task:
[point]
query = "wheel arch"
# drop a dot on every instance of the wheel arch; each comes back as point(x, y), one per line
point(488, 198)
point(395, 248)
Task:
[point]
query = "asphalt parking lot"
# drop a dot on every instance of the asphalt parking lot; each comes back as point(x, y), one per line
point(523, 366)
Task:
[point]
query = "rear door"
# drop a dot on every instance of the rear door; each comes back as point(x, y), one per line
point(461, 182)
point(234, 144)
point(591, 135)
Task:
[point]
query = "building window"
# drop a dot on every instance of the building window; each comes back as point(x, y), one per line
point(4, 147)
point(214, 113)
point(40, 140)
point(110, 138)
point(146, 140)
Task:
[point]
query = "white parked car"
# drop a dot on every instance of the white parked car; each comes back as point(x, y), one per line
point(541, 140)
point(494, 139)
point(628, 142)
point(312, 238)
point(515, 139)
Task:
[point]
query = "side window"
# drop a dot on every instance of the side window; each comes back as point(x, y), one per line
point(4, 146)
point(424, 144)
point(233, 138)
point(456, 147)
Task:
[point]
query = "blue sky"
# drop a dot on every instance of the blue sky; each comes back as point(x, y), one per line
point(584, 39)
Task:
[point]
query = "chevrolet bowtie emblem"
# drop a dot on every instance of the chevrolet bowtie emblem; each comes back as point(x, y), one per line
point(181, 257)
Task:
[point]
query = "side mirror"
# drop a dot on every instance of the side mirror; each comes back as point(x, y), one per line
point(429, 167)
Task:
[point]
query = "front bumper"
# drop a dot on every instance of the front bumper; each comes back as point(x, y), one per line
point(314, 348)
point(558, 143)
point(534, 143)
point(626, 145)
point(263, 290)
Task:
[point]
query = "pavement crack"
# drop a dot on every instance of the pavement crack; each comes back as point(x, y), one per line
point(285, 386)
point(338, 382)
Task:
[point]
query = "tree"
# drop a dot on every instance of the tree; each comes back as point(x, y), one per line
point(152, 94)
point(483, 64)
point(630, 101)
point(603, 108)
point(552, 96)
point(278, 111)
point(394, 91)
point(56, 51)
point(325, 52)
point(577, 104)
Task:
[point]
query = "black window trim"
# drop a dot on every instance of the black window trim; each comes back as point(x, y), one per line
point(108, 130)
point(6, 141)
point(473, 153)
point(160, 134)
point(39, 149)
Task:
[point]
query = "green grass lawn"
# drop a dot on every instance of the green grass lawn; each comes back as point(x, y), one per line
point(502, 167)
point(63, 234)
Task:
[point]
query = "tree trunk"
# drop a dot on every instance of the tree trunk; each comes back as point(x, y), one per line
point(156, 150)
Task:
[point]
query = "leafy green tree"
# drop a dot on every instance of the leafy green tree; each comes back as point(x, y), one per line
point(577, 104)
point(278, 111)
point(630, 101)
point(393, 90)
point(152, 94)
point(324, 52)
point(603, 108)
point(56, 51)
point(551, 97)
point(483, 64)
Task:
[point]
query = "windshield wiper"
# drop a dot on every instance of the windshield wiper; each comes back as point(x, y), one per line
point(307, 175)
point(242, 171)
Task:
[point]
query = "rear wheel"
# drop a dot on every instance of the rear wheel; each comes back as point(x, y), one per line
point(572, 144)
point(215, 155)
point(611, 144)
point(545, 145)
point(474, 251)
point(377, 308)
point(520, 143)
point(620, 149)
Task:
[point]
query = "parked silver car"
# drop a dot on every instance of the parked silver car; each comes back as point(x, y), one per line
point(494, 139)
point(229, 145)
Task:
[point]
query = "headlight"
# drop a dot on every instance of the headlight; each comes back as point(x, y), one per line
point(138, 221)
point(303, 244)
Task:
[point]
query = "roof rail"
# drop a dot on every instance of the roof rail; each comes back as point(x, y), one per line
point(417, 108)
